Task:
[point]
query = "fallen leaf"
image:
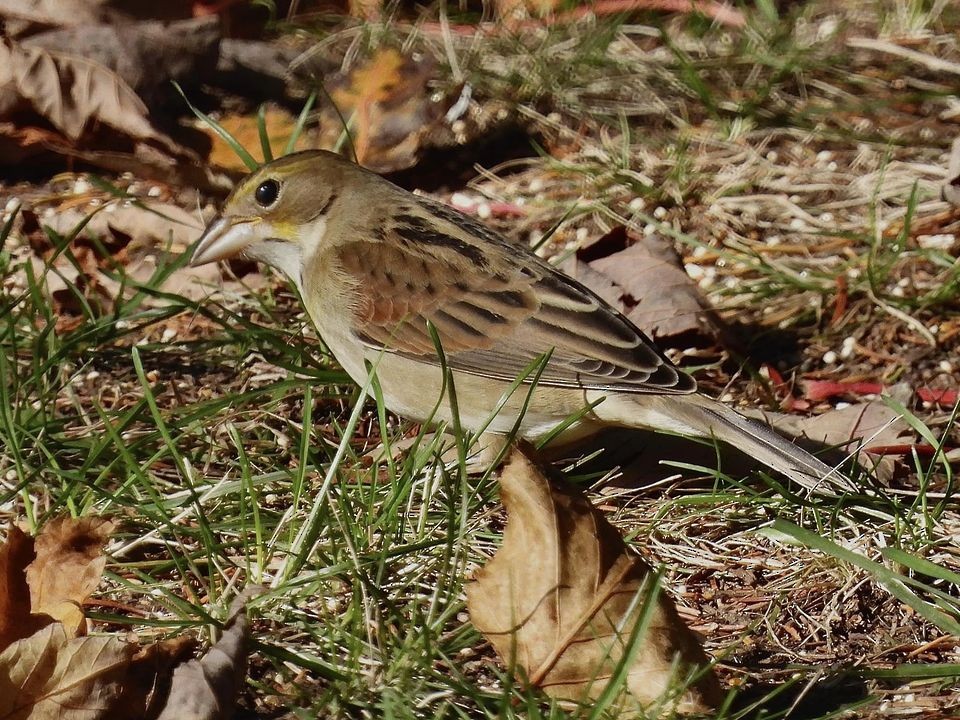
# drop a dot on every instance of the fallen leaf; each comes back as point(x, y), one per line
point(147, 55)
point(207, 688)
point(67, 568)
point(51, 675)
point(854, 429)
point(389, 104)
point(98, 118)
point(55, 12)
point(71, 93)
point(280, 126)
point(559, 600)
point(644, 278)
point(16, 620)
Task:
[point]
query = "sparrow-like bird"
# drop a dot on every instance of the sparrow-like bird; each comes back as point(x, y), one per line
point(377, 266)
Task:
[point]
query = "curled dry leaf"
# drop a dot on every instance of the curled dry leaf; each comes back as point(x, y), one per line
point(389, 104)
point(16, 620)
point(53, 675)
point(853, 429)
point(559, 601)
point(67, 568)
point(81, 99)
point(644, 278)
point(207, 688)
point(72, 93)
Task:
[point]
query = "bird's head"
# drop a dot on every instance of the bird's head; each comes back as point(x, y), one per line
point(278, 213)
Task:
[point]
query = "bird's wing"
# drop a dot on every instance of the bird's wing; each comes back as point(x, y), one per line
point(495, 312)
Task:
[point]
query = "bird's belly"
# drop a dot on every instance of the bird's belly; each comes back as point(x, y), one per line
point(416, 391)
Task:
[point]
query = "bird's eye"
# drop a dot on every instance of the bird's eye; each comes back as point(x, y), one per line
point(267, 193)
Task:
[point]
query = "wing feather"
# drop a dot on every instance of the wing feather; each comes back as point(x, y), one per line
point(496, 308)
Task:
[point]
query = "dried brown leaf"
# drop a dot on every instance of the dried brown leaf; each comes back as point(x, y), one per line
point(388, 99)
point(559, 599)
point(16, 620)
point(207, 688)
point(55, 12)
point(51, 675)
point(854, 429)
point(644, 277)
point(67, 568)
point(71, 93)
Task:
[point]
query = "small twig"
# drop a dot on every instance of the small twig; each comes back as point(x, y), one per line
point(885, 46)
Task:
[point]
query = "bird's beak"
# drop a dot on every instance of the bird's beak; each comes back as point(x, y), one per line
point(223, 238)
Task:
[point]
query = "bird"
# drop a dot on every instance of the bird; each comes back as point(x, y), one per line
point(429, 296)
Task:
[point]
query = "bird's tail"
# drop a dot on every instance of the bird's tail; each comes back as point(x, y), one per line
point(699, 416)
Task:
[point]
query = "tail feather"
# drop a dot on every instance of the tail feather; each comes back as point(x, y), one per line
point(699, 416)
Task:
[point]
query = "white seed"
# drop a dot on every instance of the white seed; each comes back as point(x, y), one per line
point(946, 366)
point(637, 204)
point(168, 335)
point(460, 200)
point(12, 204)
point(829, 357)
point(659, 212)
point(695, 272)
point(582, 234)
point(848, 346)
point(154, 191)
point(936, 242)
point(483, 211)
point(536, 185)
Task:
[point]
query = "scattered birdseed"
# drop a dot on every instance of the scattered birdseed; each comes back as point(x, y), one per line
point(483, 211)
point(946, 366)
point(168, 335)
point(936, 242)
point(847, 348)
point(659, 212)
point(829, 357)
